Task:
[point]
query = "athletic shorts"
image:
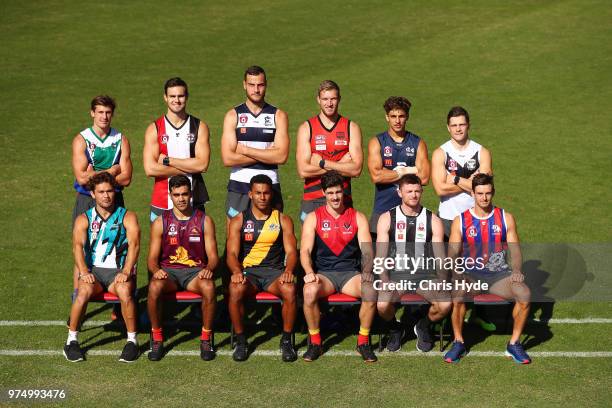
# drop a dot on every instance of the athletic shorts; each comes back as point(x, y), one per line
point(183, 276)
point(156, 212)
point(447, 228)
point(85, 201)
point(339, 279)
point(309, 206)
point(235, 203)
point(262, 278)
point(487, 276)
point(105, 276)
point(374, 221)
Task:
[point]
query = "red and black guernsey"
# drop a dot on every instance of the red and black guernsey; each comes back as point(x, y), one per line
point(336, 247)
point(183, 241)
point(483, 237)
point(331, 144)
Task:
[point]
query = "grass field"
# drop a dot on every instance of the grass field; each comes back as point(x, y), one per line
point(535, 77)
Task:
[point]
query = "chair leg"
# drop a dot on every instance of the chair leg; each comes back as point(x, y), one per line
point(442, 334)
point(232, 341)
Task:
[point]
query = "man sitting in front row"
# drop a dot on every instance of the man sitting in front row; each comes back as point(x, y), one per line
point(182, 256)
point(332, 235)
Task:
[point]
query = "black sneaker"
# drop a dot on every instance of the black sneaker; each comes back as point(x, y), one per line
point(365, 350)
point(287, 351)
point(313, 352)
point(241, 352)
point(207, 352)
point(130, 353)
point(157, 350)
point(424, 338)
point(395, 340)
point(73, 352)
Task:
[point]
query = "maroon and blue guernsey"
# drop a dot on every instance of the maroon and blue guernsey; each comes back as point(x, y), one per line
point(336, 246)
point(484, 237)
point(183, 241)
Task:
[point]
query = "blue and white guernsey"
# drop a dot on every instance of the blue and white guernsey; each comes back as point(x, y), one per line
point(256, 131)
point(106, 245)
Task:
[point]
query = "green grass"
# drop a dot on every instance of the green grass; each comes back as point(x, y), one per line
point(535, 77)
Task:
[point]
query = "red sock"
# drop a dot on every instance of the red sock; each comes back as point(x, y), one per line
point(361, 339)
point(315, 339)
point(206, 334)
point(157, 334)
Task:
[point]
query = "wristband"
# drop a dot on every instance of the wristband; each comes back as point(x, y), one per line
point(166, 161)
point(456, 180)
point(322, 163)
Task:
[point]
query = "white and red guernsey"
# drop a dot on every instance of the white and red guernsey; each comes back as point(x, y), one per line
point(178, 143)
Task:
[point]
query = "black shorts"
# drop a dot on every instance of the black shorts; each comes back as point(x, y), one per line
point(309, 206)
point(374, 221)
point(235, 203)
point(339, 279)
point(85, 201)
point(447, 228)
point(487, 276)
point(105, 276)
point(262, 278)
point(182, 276)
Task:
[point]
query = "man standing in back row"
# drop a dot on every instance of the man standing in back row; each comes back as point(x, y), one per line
point(255, 141)
point(176, 144)
point(327, 142)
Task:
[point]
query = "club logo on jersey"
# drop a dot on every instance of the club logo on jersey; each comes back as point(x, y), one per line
point(388, 162)
point(452, 165)
point(320, 143)
point(400, 225)
point(348, 228)
point(470, 164)
point(471, 232)
point(387, 152)
point(164, 139)
point(273, 227)
point(249, 227)
point(340, 139)
point(191, 138)
point(409, 151)
point(326, 225)
point(243, 119)
point(172, 230)
point(421, 227)
point(496, 229)
point(95, 228)
point(267, 121)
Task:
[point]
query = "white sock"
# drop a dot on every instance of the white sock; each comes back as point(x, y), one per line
point(131, 336)
point(72, 336)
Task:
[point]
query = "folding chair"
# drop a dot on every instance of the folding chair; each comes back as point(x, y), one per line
point(261, 298)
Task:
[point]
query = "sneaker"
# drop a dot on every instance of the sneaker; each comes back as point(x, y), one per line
point(457, 351)
point(73, 352)
point(207, 352)
point(365, 350)
point(517, 353)
point(313, 352)
point(241, 352)
point(157, 350)
point(424, 338)
point(129, 353)
point(287, 352)
point(395, 340)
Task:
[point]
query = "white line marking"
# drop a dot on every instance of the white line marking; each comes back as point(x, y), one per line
point(89, 323)
point(331, 353)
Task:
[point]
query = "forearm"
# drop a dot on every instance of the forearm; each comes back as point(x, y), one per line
point(308, 170)
point(385, 176)
point(79, 259)
point(271, 155)
point(234, 264)
point(231, 159)
point(350, 169)
point(131, 258)
point(516, 257)
point(190, 165)
point(306, 262)
point(291, 261)
point(159, 170)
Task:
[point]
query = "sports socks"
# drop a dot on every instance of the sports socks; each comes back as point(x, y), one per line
point(315, 336)
point(363, 337)
point(206, 334)
point(131, 336)
point(72, 336)
point(157, 334)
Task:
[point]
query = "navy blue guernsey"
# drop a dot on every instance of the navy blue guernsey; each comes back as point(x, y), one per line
point(393, 154)
point(256, 131)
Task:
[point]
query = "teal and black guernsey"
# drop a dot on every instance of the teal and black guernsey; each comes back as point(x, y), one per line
point(102, 154)
point(107, 244)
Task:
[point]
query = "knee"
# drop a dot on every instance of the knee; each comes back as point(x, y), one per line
point(123, 291)
point(523, 306)
point(444, 307)
point(383, 307)
point(207, 289)
point(311, 291)
point(155, 287)
point(236, 292)
point(521, 292)
point(287, 292)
